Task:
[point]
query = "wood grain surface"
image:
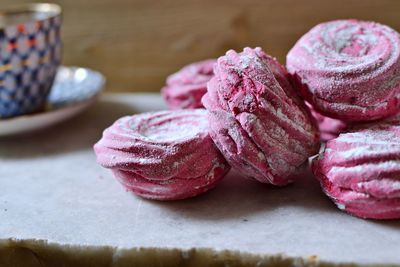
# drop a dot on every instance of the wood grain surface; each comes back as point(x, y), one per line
point(137, 43)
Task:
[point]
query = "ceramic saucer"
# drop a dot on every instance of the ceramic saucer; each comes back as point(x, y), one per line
point(74, 90)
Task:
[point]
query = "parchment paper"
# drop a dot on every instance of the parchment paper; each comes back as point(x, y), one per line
point(52, 189)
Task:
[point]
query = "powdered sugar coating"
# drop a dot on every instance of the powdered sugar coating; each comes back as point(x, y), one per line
point(328, 127)
point(263, 130)
point(349, 69)
point(360, 170)
point(162, 155)
point(185, 88)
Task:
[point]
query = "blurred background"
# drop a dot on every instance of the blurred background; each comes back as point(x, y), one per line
point(137, 43)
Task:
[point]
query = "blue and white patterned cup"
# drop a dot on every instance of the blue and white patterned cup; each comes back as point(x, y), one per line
point(30, 53)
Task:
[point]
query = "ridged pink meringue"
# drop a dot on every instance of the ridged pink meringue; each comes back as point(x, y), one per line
point(360, 170)
point(163, 155)
point(263, 130)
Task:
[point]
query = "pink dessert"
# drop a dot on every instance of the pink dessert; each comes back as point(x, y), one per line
point(165, 155)
point(349, 69)
point(186, 87)
point(360, 170)
point(328, 127)
point(263, 130)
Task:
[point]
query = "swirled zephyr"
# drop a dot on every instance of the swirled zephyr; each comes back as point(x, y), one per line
point(260, 125)
point(163, 155)
point(349, 69)
point(185, 88)
point(360, 170)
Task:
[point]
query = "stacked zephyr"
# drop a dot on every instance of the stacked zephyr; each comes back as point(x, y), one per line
point(263, 130)
point(360, 170)
point(164, 155)
point(349, 71)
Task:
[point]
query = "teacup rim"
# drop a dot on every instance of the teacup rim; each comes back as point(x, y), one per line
point(54, 10)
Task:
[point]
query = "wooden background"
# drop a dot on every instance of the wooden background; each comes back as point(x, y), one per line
point(137, 43)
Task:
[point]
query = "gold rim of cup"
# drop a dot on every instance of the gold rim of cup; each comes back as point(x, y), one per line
point(48, 10)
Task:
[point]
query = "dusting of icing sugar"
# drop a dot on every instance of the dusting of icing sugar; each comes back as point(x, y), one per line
point(346, 43)
point(349, 40)
point(157, 188)
point(395, 185)
point(283, 117)
point(248, 99)
point(269, 143)
point(365, 167)
point(346, 106)
point(349, 66)
point(169, 127)
point(217, 164)
point(280, 165)
point(364, 139)
point(243, 82)
point(152, 138)
point(170, 132)
point(174, 167)
point(367, 151)
point(247, 60)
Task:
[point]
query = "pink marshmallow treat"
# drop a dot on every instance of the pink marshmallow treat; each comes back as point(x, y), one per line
point(263, 130)
point(163, 155)
point(360, 170)
point(329, 128)
point(349, 69)
point(186, 87)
